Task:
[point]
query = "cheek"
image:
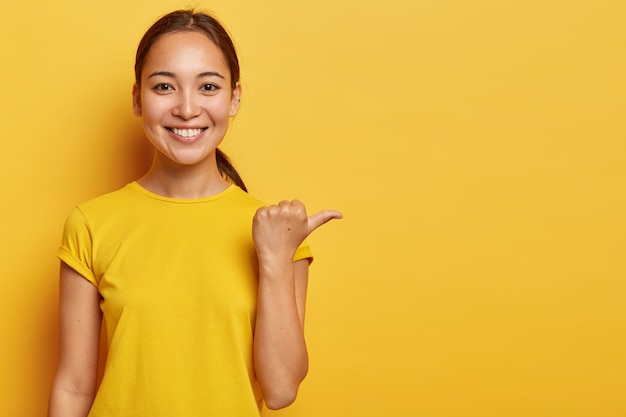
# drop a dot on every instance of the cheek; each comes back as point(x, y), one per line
point(222, 108)
point(214, 112)
point(153, 110)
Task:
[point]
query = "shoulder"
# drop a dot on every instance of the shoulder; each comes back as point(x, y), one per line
point(103, 206)
point(241, 197)
point(106, 200)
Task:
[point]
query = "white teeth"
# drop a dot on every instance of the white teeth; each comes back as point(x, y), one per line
point(186, 133)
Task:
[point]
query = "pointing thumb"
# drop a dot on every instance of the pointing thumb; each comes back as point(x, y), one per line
point(318, 219)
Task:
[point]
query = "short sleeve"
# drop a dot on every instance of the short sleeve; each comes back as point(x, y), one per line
point(77, 245)
point(303, 252)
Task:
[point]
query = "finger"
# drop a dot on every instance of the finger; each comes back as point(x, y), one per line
point(322, 217)
point(298, 209)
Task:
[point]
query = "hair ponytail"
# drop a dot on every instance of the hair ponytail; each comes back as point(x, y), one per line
point(228, 171)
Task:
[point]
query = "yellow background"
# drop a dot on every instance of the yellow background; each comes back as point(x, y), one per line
point(476, 149)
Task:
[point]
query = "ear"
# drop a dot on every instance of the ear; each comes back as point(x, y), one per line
point(235, 100)
point(136, 101)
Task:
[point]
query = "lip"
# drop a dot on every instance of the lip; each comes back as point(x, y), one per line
point(186, 134)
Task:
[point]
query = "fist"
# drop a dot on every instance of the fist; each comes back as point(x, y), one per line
point(278, 230)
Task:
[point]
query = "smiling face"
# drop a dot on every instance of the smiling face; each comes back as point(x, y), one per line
point(185, 98)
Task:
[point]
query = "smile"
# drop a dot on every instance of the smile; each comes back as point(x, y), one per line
point(186, 133)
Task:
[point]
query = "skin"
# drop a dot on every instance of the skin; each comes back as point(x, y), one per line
point(185, 84)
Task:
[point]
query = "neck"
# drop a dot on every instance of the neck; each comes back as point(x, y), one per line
point(186, 181)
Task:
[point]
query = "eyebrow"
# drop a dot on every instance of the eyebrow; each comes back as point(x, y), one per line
point(201, 75)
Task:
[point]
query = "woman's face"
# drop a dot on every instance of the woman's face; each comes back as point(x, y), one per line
point(185, 99)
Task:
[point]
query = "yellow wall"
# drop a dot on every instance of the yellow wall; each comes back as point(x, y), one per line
point(476, 149)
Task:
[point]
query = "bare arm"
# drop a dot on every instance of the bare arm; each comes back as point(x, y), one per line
point(74, 385)
point(280, 355)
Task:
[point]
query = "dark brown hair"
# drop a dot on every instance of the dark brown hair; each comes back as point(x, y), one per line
point(195, 21)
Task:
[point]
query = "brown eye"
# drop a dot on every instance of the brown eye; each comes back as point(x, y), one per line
point(163, 87)
point(209, 87)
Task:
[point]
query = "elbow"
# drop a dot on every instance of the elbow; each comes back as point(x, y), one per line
point(276, 401)
point(277, 396)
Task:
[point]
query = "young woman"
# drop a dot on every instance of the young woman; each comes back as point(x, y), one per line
point(202, 288)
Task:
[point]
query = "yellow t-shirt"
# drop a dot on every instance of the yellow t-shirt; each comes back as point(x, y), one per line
point(178, 280)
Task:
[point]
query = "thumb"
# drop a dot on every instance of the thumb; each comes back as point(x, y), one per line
point(318, 219)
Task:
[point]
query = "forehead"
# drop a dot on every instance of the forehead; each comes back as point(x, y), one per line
point(185, 52)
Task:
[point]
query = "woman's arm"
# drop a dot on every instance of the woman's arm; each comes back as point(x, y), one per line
point(80, 318)
point(280, 355)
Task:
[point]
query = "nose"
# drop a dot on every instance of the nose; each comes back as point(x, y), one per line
point(186, 107)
